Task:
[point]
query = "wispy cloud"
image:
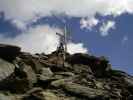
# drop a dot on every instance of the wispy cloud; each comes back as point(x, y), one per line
point(104, 29)
point(88, 23)
point(124, 39)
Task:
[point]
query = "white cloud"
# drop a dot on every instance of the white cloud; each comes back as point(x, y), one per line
point(104, 29)
point(125, 39)
point(88, 23)
point(27, 11)
point(41, 39)
point(38, 39)
point(76, 48)
point(19, 24)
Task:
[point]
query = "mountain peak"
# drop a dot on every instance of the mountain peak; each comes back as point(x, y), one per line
point(25, 76)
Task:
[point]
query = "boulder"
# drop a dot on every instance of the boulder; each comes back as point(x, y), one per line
point(60, 82)
point(45, 74)
point(25, 72)
point(98, 65)
point(67, 74)
point(33, 94)
point(47, 95)
point(80, 69)
point(79, 59)
point(129, 81)
point(82, 91)
point(22, 79)
point(35, 64)
point(39, 94)
point(6, 69)
point(9, 52)
point(30, 74)
point(7, 97)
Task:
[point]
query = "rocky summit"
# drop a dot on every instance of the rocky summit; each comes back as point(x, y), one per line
point(25, 76)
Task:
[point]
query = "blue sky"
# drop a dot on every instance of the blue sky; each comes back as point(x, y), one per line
point(101, 32)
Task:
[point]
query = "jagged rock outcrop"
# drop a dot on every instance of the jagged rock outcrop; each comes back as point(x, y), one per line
point(9, 52)
point(25, 76)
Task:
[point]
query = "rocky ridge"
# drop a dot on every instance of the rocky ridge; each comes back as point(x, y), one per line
point(25, 76)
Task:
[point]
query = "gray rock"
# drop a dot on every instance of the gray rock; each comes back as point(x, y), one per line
point(25, 71)
point(6, 69)
point(58, 83)
point(31, 76)
point(129, 81)
point(45, 74)
point(35, 89)
point(9, 97)
point(40, 94)
point(23, 78)
point(32, 61)
point(99, 85)
point(61, 82)
point(36, 65)
point(47, 95)
point(57, 77)
point(68, 74)
point(78, 90)
point(4, 97)
point(79, 68)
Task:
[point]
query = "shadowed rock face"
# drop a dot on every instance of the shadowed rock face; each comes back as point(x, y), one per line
point(9, 52)
point(98, 65)
point(25, 76)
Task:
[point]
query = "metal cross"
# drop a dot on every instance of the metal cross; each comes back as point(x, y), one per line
point(63, 42)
